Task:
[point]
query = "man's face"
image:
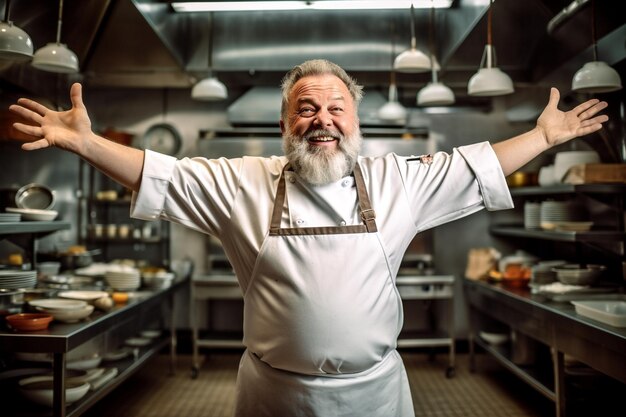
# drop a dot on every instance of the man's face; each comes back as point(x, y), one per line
point(321, 133)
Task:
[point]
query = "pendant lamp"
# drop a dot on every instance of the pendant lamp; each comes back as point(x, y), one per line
point(412, 60)
point(392, 110)
point(596, 76)
point(55, 56)
point(435, 93)
point(15, 44)
point(489, 80)
point(209, 88)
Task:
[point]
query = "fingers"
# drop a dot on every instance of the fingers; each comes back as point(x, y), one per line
point(555, 96)
point(76, 95)
point(39, 144)
point(28, 129)
point(32, 106)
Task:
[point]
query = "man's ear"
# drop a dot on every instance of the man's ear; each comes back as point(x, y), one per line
point(282, 126)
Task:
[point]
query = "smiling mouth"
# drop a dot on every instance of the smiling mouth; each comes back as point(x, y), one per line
point(321, 139)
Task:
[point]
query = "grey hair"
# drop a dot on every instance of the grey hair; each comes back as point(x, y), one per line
point(317, 67)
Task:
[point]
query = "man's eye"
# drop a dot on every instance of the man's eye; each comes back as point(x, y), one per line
point(336, 110)
point(307, 111)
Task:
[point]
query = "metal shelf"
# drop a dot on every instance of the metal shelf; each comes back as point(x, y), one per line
point(34, 227)
point(560, 236)
point(569, 189)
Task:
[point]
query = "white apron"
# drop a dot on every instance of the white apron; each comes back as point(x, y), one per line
point(321, 319)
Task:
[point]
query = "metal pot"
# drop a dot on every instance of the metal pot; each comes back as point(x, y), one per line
point(35, 196)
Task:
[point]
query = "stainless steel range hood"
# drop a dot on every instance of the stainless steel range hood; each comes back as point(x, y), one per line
point(143, 43)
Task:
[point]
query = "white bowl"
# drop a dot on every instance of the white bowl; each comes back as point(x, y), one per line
point(85, 363)
point(68, 316)
point(39, 389)
point(58, 304)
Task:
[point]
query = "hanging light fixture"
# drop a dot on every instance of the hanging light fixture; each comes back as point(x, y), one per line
point(209, 88)
point(596, 76)
point(15, 44)
point(489, 80)
point(392, 110)
point(412, 60)
point(435, 93)
point(55, 56)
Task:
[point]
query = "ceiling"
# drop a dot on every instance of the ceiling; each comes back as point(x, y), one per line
point(144, 44)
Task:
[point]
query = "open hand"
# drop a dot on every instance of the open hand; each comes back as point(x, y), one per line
point(64, 129)
point(558, 126)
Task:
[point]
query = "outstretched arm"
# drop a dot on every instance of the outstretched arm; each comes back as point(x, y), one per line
point(71, 130)
point(553, 128)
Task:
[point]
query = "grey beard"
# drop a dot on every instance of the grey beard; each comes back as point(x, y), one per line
point(318, 165)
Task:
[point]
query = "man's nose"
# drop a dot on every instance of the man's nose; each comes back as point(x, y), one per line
point(323, 118)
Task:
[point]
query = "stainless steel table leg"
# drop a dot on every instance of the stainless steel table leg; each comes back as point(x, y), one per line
point(173, 338)
point(559, 382)
point(58, 397)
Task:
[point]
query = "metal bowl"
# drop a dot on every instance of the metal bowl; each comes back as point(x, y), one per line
point(574, 274)
point(35, 196)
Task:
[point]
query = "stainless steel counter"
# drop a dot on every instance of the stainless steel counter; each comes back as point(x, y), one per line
point(555, 324)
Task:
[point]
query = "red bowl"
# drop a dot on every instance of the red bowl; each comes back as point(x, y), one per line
point(29, 322)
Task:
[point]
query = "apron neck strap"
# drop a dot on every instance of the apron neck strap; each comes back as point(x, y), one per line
point(367, 213)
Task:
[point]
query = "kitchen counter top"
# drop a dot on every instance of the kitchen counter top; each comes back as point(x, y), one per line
point(555, 324)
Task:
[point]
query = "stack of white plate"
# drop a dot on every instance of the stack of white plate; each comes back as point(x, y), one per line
point(532, 215)
point(10, 217)
point(11, 280)
point(67, 311)
point(553, 213)
point(123, 278)
point(34, 214)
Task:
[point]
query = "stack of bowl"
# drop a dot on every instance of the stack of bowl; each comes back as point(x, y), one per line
point(157, 280)
point(123, 278)
point(67, 311)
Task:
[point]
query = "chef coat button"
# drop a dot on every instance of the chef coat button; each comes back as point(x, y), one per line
point(300, 222)
point(292, 179)
point(342, 223)
point(345, 183)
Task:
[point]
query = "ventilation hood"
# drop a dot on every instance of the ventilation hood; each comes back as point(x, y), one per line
point(145, 44)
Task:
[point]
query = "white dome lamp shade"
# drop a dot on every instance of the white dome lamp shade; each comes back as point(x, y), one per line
point(435, 93)
point(489, 80)
point(55, 56)
point(413, 60)
point(596, 76)
point(15, 44)
point(209, 88)
point(392, 110)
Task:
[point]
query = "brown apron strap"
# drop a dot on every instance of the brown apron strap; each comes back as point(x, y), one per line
point(367, 213)
point(279, 202)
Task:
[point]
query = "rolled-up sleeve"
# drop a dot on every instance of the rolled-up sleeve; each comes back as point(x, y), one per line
point(493, 187)
point(148, 203)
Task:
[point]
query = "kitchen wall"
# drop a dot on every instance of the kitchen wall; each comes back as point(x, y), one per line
point(135, 110)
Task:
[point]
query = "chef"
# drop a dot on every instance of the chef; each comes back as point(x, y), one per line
point(316, 236)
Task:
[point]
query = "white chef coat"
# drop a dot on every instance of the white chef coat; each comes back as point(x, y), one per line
point(233, 199)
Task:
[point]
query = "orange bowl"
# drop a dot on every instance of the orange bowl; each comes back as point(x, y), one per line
point(29, 322)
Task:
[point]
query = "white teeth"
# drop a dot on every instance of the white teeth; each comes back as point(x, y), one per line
point(323, 139)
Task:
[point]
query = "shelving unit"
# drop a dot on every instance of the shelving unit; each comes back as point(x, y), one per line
point(136, 244)
point(552, 324)
point(61, 338)
point(35, 230)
